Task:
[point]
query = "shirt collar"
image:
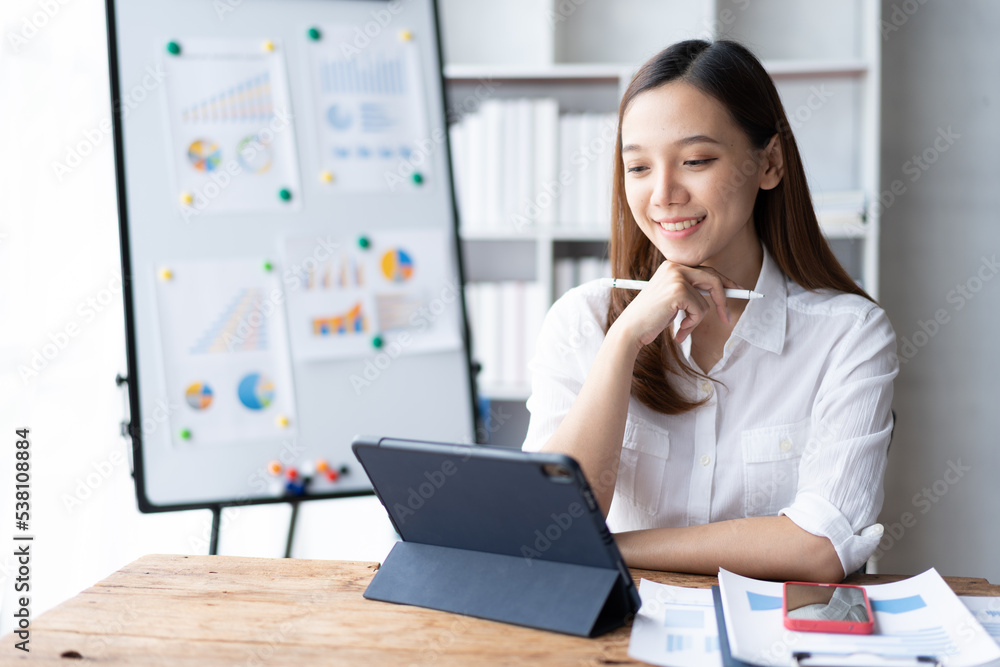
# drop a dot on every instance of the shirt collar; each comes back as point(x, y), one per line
point(763, 321)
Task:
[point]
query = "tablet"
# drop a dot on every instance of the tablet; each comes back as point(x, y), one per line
point(529, 520)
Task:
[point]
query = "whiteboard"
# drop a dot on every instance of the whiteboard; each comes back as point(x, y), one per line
point(290, 243)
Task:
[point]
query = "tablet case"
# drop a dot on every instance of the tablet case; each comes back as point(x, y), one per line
point(499, 534)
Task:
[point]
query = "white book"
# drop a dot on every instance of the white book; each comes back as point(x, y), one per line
point(605, 169)
point(568, 140)
point(512, 362)
point(524, 215)
point(534, 315)
point(586, 165)
point(474, 200)
point(493, 161)
point(564, 275)
point(508, 180)
point(488, 334)
point(546, 190)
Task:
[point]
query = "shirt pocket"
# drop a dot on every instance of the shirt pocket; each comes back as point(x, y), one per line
point(771, 458)
point(645, 450)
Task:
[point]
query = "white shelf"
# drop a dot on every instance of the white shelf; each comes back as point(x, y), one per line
point(567, 71)
point(557, 234)
point(815, 67)
point(613, 72)
point(517, 393)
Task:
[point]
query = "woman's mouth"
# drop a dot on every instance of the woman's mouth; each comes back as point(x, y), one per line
point(682, 225)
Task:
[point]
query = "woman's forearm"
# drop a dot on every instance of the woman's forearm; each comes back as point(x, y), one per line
point(593, 429)
point(771, 547)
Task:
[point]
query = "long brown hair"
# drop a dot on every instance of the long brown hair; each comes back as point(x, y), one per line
point(784, 218)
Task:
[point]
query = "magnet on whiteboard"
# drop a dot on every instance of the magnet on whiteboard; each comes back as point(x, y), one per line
point(285, 194)
point(417, 177)
point(274, 467)
point(282, 421)
point(173, 48)
point(314, 34)
point(166, 274)
point(405, 35)
point(268, 45)
point(326, 176)
point(377, 342)
point(185, 434)
point(364, 242)
point(187, 198)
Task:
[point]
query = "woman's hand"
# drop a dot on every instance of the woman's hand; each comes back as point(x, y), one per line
point(675, 287)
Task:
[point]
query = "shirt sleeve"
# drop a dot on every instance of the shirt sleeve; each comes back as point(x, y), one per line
point(840, 488)
point(569, 340)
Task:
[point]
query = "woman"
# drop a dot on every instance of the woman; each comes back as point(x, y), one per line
point(716, 432)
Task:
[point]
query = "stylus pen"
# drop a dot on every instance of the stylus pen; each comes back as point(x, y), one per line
point(622, 283)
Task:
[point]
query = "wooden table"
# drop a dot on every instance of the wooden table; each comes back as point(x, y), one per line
point(225, 610)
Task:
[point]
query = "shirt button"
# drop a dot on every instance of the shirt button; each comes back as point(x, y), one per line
point(785, 445)
point(706, 387)
point(705, 459)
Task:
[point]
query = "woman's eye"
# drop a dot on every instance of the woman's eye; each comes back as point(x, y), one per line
point(698, 163)
point(636, 170)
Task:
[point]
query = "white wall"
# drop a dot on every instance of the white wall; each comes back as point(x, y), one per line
point(940, 72)
point(59, 272)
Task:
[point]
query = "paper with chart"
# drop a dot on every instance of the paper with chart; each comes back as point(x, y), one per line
point(675, 627)
point(987, 612)
point(225, 356)
point(919, 616)
point(231, 137)
point(370, 110)
point(351, 297)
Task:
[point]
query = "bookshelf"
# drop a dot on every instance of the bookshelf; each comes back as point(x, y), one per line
point(825, 60)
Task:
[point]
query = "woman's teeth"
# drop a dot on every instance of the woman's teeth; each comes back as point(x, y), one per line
point(678, 226)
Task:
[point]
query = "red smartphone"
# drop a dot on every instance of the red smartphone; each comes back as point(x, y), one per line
point(838, 608)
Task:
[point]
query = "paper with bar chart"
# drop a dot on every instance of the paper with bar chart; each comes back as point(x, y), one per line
point(675, 626)
point(352, 297)
point(225, 353)
point(231, 137)
point(370, 111)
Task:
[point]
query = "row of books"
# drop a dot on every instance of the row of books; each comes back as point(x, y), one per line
point(568, 272)
point(520, 165)
point(505, 319)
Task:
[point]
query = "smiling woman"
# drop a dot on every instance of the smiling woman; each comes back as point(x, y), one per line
point(720, 432)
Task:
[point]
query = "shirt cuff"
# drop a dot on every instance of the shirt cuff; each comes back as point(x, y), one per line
point(815, 514)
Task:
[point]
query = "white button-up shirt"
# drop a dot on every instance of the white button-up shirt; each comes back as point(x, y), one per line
point(797, 420)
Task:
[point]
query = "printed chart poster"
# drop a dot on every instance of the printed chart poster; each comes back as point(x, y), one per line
point(345, 297)
point(231, 134)
point(225, 353)
point(369, 106)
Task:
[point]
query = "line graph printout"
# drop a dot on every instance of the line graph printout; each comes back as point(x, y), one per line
point(231, 137)
point(225, 355)
point(370, 110)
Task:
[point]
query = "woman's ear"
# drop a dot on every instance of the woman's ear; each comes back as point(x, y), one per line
point(772, 164)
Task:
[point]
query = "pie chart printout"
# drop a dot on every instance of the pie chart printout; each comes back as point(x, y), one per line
point(205, 155)
point(198, 395)
point(256, 391)
point(397, 265)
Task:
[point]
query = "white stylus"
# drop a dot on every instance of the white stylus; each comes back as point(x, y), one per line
point(622, 283)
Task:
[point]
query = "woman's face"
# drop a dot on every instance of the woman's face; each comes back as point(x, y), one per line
point(691, 176)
